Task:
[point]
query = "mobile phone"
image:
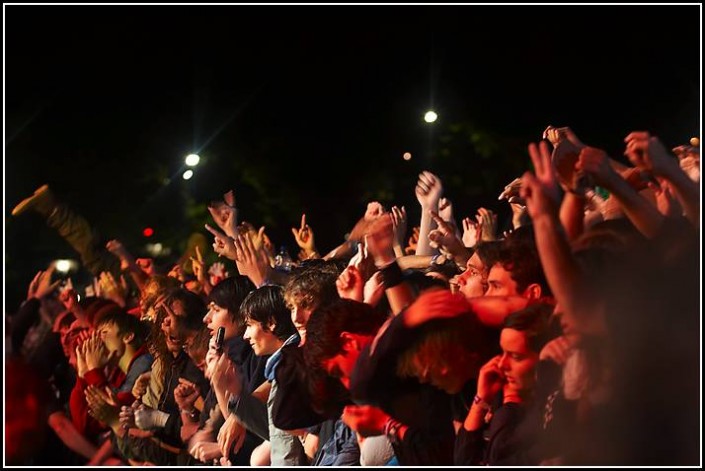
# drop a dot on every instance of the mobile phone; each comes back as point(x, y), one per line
point(219, 338)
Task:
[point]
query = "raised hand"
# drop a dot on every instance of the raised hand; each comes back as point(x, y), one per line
point(374, 211)
point(445, 211)
point(251, 262)
point(545, 174)
point(350, 284)
point(102, 404)
point(223, 245)
point(487, 220)
point(410, 249)
point(399, 222)
point(666, 202)
point(217, 273)
point(558, 349)
point(41, 285)
point(429, 190)
point(444, 236)
point(304, 238)
point(111, 290)
point(648, 153)
point(225, 214)
point(199, 270)
point(380, 240)
point(491, 380)
point(95, 352)
point(116, 248)
point(471, 232)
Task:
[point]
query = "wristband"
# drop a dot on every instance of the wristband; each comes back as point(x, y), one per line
point(391, 275)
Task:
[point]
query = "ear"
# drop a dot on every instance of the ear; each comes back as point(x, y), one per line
point(271, 326)
point(533, 291)
point(349, 341)
point(128, 338)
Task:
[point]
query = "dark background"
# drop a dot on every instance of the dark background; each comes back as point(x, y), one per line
point(309, 109)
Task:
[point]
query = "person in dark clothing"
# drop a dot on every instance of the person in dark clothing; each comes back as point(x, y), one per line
point(504, 389)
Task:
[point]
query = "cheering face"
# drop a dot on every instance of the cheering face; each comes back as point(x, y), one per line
point(112, 339)
point(262, 340)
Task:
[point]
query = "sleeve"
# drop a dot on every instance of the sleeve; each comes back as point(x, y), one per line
point(253, 414)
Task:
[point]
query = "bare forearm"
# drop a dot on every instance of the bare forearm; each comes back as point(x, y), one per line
point(561, 270)
point(644, 215)
point(572, 215)
point(687, 192)
point(426, 225)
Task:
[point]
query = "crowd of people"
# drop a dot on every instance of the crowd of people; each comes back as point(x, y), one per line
point(564, 341)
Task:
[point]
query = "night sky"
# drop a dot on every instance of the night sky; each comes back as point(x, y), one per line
point(309, 109)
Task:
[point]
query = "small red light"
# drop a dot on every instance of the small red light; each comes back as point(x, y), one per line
point(147, 232)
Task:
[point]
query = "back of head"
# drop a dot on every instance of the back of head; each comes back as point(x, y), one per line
point(534, 322)
point(192, 309)
point(444, 341)
point(520, 257)
point(231, 292)
point(313, 287)
point(328, 322)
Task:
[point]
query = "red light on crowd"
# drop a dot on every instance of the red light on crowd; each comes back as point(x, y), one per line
point(147, 232)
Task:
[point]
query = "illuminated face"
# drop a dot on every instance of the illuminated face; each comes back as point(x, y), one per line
point(301, 308)
point(112, 339)
point(517, 361)
point(500, 282)
point(218, 316)
point(170, 327)
point(263, 341)
point(473, 281)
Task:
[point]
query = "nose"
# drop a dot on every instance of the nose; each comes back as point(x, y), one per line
point(207, 317)
point(502, 363)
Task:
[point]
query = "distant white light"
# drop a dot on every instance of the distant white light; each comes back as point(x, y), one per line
point(63, 266)
point(187, 174)
point(407, 156)
point(695, 142)
point(155, 250)
point(430, 116)
point(192, 160)
point(78, 297)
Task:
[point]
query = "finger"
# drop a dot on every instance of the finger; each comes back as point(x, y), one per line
point(303, 221)
point(199, 257)
point(215, 232)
